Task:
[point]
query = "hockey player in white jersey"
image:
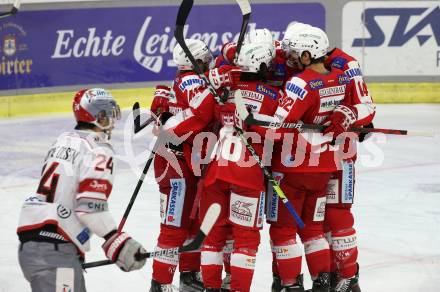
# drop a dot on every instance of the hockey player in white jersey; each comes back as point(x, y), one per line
point(70, 203)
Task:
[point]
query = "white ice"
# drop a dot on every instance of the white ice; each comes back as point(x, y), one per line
point(397, 206)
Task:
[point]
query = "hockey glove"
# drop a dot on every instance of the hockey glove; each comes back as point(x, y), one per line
point(364, 136)
point(340, 120)
point(224, 76)
point(121, 249)
point(228, 52)
point(160, 100)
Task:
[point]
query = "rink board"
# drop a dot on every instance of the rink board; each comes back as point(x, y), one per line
point(47, 103)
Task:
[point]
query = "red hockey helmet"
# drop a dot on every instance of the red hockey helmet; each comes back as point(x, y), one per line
point(96, 106)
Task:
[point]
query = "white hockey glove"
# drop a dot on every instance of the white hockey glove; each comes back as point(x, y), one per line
point(121, 249)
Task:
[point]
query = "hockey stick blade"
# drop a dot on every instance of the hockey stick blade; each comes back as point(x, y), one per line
point(137, 119)
point(208, 222)
point(245, 8)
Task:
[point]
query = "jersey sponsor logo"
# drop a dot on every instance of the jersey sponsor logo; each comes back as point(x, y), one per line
point(252, 95)
point(316, 84)
point(175, 202)
point(243, 210)
point(335, 90)
point(347, 182)
point(261, 209)
point(329, 103)
point(344, 242)
point(84, 235)
point(339, 62)
point(351, 73)
point(190, 83)
point(343, 79)
point(333, 191)
point(296, 90)
point(63, 212)
point(267, 91)
point(319, 119)
point(419, 17)
point(319, 213)
point(95, 185)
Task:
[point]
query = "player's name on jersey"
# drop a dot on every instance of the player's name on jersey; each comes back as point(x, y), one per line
point(62, 152)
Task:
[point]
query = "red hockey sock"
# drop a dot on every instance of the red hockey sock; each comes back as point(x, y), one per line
point(212, 266)
point(317, 253)
point(242, 270)
point(345, 252)
point(288, 259)
point(164, 267)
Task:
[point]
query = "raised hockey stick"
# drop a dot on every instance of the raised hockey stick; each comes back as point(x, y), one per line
point(182, 16)
point(211, 217)
point(245, 8)
point(184, 11)
point(249, 119)
point(13, 10)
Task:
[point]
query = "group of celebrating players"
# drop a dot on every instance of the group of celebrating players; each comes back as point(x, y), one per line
point(297, 79)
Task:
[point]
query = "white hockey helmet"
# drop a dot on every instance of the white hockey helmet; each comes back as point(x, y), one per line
point(252, 55)
point(197, 48)
point(96, 106)
point(261, 35)
point(291, 30)
point(311, 39)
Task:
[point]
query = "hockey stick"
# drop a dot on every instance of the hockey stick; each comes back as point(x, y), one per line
point(249, 119)
point(184, 11)
point(137, 119)
point(211, 217)
point(13, 11)
point(135, 193)
point(182, 16)
point(245, 8)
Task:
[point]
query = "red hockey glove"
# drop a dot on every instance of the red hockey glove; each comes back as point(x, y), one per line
point(160, 100)
point(340, 120)
point(224, 76)
point(228, 51)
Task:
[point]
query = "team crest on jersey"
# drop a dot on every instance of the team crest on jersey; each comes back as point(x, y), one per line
point(339, 62)
point(343, 79)
point(316, 84)
point(267, 91)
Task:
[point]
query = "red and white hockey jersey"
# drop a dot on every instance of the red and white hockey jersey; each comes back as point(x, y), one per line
point(360, 97)
point(310, 97)
point(232, 162)
point(70, 203)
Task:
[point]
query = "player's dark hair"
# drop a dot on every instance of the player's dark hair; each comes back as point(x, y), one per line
point(84, 126)
point(261, 75)
point(318, 60)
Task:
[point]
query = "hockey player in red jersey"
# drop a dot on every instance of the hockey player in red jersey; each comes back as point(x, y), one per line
point(232, 178)
point(178, 184)
point(70, 203)
point(339, 220)
point(311, 97)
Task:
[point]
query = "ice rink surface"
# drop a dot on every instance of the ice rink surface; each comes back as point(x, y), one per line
point(397, 203)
